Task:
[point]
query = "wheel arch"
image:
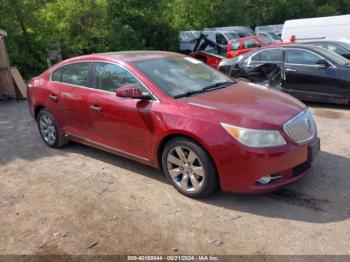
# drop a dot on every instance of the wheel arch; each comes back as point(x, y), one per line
point(165, 139)
point(37, 109)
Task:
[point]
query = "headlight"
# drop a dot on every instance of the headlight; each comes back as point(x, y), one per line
point(255, 137)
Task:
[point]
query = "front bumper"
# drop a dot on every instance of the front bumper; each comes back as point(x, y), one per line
point(240, 169)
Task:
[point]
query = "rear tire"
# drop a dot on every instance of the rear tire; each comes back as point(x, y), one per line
point(189, 168)
point(49, 130)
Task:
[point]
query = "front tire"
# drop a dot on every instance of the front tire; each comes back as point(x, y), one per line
point(189, 168)
point(49, 130)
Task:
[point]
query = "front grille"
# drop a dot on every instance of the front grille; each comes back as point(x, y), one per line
point(301, 128)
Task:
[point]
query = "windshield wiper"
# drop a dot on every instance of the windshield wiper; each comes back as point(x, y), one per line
point(219, 85)
point(189, 93)
point(205, 89)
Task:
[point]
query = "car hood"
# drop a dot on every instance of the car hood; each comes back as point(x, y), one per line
point(244, 104)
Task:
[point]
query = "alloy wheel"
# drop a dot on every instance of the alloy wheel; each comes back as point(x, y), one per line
point(185, 169)
point(47, 129)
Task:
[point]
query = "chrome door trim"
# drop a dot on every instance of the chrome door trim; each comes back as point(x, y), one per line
point(91, 88)
point(106, 147)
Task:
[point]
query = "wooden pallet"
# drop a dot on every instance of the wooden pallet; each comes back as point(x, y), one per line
point(11, 81)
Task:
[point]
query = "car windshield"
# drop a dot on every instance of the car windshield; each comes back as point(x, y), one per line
point(183, 76)
point(338, 59)
point(231, 36)
point(345, 44)
point(274, 36)
point(266, 40)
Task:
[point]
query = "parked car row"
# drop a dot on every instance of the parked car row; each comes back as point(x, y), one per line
point(210, 45)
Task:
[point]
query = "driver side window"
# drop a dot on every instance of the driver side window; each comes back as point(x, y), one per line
point(109, 77)
point(302, 57)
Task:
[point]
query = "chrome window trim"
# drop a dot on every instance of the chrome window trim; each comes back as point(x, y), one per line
point(285, 49)
point(306, 109)
point(91, 88)
point(307, 65)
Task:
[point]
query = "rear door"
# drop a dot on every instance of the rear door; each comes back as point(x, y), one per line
point(73, 81)
point(265, 65)
point(121, 123)
point(306, 79)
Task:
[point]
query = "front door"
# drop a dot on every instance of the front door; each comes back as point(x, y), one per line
point(121, 123)
point(307, 79)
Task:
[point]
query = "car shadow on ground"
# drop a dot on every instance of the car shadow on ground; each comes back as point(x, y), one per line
point(19, 136)
point(320, 197)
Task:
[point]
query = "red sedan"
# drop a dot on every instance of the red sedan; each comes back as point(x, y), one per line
point(175, 113)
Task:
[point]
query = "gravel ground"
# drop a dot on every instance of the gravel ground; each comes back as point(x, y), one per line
point(79, 200)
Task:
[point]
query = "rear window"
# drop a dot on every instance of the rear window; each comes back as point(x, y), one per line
point(76, 74)
point(266, 40)
point(272, 55)
point(56, 75)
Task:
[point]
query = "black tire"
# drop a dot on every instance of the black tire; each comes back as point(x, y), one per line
point(209, 182)
point(60, 140)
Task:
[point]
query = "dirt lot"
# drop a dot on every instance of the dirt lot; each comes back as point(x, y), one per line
point(79, 200)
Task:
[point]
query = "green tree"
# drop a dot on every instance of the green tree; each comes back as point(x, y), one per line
point(86, 26)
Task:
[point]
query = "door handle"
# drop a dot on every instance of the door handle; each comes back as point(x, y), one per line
point(53, 98)
point(290, 70)
point(95, 108)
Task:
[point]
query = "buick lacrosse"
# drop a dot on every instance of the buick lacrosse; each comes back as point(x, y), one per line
point(203, 129)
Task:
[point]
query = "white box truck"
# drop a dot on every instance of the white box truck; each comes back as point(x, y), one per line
point(318, 28)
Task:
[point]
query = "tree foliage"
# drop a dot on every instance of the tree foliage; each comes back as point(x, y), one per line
point(86, 26)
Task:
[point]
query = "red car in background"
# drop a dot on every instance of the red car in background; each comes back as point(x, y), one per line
point(234, 48)
point(249, 43)
point(173, 112)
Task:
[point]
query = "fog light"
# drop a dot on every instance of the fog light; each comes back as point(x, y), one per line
point(264, 180)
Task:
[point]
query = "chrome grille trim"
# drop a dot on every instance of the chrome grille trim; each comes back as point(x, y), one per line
point(301, 128)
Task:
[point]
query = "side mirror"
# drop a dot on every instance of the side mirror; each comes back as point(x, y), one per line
point(133, 92)
point(323, 63)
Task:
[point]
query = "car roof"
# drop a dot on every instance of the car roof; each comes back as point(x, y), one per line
point(323, 41)
point(343, 43)
point(303, 46)
point(285, 46)
point(125, 56)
